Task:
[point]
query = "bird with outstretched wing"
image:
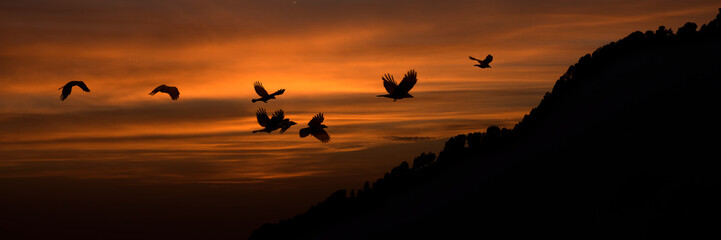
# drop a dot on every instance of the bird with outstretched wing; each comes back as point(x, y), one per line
point(316, 128)
point(264, 96)
point(170, 90)
point(483, 63)
point(69, 88)
point(399, 91)
point(270, 124)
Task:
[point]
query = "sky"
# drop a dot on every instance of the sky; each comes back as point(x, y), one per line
point(328, 55)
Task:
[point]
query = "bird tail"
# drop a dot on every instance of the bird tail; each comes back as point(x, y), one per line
point(254, 100)
point(384, 96)
point(304, 132)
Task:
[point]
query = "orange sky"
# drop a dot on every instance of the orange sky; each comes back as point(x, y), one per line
point(329, 55)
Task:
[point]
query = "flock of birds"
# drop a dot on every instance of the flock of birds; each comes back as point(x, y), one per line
point(316, 128)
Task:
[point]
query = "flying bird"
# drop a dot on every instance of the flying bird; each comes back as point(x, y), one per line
point(316, 129)
point(170, 90)
point(264, 96)
point(399, 91)
point(69, 87)
point(270, 124)
point(285, 124)
point(483, 63)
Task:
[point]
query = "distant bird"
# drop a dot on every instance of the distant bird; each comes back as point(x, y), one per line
point(316, 129)
point(69, 87)
point(271, 124)
point(484, 63)
point(399, 91)
point(170, 90)
point(264, 96)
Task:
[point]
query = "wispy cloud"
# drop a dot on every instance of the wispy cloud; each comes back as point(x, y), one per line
point(329, 55)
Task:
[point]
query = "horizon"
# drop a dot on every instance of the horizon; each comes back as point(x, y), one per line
point(329, 57)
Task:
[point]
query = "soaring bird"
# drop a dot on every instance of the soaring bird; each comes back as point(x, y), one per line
point(170, 90)
point(69, 87)
point(316, 129)
point(271, 124)
point(399, 91)
point(264, 96)
point(484, 63)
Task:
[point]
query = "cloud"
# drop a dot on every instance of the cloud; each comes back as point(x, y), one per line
point(408, 138)
point(329, 55)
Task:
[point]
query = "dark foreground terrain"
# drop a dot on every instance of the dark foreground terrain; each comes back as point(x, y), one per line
point(624, 147)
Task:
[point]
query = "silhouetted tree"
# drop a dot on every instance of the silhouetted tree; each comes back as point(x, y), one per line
point(662, 32)
point(687, 31)
point(423, 160)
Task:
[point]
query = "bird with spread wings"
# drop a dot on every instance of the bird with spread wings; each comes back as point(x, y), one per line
point(316, 128)
point(170, 90)
point(399, 91)
point(483, 63)
point(69, 88)
point(264, 96)
point(270, 124)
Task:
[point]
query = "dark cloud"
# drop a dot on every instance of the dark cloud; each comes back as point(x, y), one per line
point(189, 110)
point(408, 138)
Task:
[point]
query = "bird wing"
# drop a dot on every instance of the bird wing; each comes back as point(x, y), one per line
point(259, 89)
point(321, 135)
point(317, 120)
point(389, 83)
point(173, 92)
point(279, 92)
point(488, 59)
point(156, 90)
point(66, 91)
point(277, 118)
point(82, 85)
point(474, 59)
point(262, 117)
point(408, 82)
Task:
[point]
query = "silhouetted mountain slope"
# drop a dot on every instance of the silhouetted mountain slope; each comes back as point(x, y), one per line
point(625, 146)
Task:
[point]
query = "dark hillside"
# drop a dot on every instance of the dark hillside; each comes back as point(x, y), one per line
point(625, 146)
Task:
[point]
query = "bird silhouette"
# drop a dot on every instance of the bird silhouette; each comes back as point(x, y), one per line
point(316, 129)
point(170, 90)
point(271, 124)
point(69, 87)
point(285, 124)
point(483, 63)
point(399, 91)
point(264, 96)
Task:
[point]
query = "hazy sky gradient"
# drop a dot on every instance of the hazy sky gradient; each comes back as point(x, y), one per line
point(329, 55)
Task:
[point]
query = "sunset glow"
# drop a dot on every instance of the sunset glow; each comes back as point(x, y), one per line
point(328, 55)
